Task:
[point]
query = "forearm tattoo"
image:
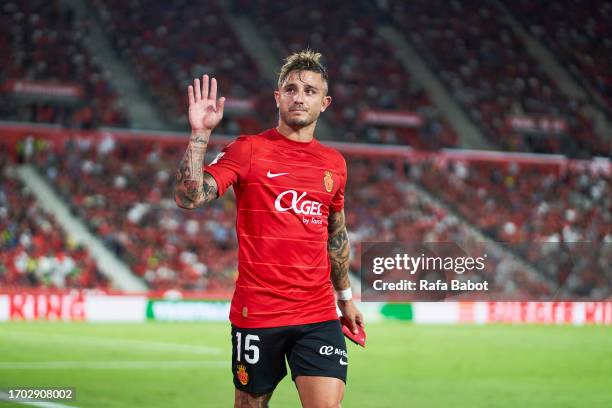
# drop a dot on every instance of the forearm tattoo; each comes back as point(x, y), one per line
point(194, 187)
point(338, 248)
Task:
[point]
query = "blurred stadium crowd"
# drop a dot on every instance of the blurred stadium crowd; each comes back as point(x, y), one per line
point(42, 41)
point(488, 70)
point(34, 252)
point(122, 189)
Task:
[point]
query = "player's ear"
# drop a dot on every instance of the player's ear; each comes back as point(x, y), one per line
point(277, 98)
point(327, 100)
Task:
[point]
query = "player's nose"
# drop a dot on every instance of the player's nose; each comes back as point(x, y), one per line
point(298, 96)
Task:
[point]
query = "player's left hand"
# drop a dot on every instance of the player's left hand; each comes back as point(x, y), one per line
point(351, 314)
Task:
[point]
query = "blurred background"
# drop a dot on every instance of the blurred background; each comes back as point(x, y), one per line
point(461, 121)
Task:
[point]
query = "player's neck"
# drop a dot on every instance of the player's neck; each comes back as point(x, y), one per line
point(304, 134)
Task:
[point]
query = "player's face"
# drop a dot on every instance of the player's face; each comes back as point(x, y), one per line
point(302, 98)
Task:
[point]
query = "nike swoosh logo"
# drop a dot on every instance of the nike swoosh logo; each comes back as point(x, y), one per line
point(342, 362)
point(272, 175)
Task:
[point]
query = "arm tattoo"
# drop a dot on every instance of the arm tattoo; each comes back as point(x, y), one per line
point(338, 248)
point(194, 187)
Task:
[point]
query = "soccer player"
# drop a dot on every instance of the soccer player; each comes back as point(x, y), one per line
point(291, 234)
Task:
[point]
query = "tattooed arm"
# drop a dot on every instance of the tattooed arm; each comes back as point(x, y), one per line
point(193, 187)
point(338, 248)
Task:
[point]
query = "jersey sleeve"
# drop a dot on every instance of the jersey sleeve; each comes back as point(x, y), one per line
point(337, 202)
point(232, 165)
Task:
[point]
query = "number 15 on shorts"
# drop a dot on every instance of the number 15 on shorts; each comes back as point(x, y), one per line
point(251, 350)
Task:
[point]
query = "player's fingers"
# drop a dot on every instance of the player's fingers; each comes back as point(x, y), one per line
point(221, 105)
point(198, 91)
point(360, 320)
point(205, 87)
point(213, 90)
point(353, 324)
point(190, 95)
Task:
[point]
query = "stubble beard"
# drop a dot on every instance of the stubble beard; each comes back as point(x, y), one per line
point(298, 122)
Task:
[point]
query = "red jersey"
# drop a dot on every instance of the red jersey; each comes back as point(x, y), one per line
point(285, 191)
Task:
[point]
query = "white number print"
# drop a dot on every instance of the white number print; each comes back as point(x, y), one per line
point(248, 348)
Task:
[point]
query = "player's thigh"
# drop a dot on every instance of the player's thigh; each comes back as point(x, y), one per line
point(243, 399)
point(319, 350)
point(320, 392)
point(318, 361)
point(258, 359)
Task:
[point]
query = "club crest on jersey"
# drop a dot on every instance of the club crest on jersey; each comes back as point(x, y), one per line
point(328, 181)
point(242, 375)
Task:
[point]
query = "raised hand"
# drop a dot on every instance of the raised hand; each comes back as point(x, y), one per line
point(205, 111)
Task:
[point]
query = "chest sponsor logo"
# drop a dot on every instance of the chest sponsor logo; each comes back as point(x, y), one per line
point(291, 200)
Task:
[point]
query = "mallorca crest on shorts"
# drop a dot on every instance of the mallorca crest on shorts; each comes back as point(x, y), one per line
point(242, 375)
point(328, 181)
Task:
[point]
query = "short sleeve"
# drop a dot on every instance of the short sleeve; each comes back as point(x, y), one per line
point(337, 202)
point(231, 165)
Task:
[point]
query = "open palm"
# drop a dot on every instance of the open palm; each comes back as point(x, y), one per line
point(205, 111)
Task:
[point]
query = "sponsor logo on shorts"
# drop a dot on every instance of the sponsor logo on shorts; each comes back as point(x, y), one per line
point(333, 351)
point(326, 350)
point(242, 375)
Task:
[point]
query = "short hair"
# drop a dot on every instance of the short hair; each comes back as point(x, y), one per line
point(305, 60)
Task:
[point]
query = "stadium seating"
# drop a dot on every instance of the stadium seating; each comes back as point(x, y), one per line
point(34, 252)
point(533, 209)
point(170, 44)
point(41, 47)
point(365, 75)
point(487, 69)
point(579, 33)
point(160, 42)
point(123, 190)
point(524, 204)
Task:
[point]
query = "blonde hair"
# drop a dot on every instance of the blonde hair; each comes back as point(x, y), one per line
point(305, 60)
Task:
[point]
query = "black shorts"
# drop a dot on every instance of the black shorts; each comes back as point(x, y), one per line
point(258, 355)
